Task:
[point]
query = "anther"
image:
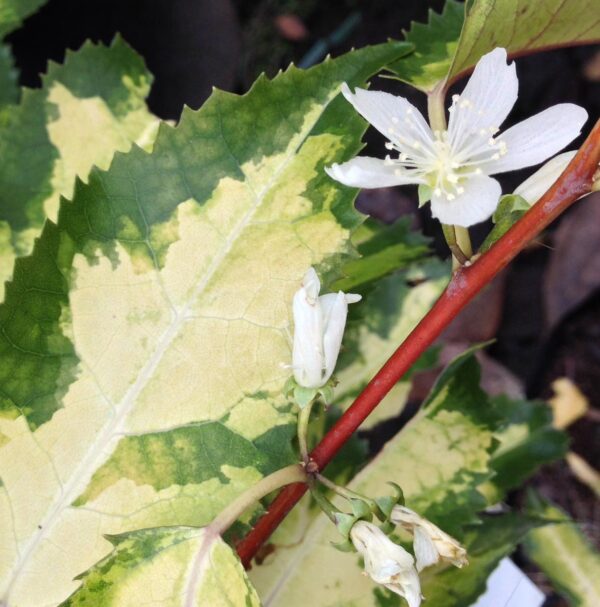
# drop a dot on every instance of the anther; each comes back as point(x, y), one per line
point(389, 145)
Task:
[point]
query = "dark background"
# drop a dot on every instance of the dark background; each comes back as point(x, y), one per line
point(544, 310)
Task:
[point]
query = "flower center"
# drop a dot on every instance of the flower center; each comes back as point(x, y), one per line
point(446, 161)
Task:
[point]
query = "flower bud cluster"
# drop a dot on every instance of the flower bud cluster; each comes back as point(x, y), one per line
point(386, 562)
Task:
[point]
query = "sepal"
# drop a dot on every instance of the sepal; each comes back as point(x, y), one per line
point(424, 193)
point(304, 396)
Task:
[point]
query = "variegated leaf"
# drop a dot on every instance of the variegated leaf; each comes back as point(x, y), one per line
point(141, 379)
point(87, 109)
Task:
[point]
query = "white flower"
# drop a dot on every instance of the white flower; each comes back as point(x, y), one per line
point(456, 164)
point(533, 188)
point(431, 544)
point(319, 324)
point(387, 563)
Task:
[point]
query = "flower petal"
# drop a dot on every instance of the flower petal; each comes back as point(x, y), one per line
point(533, 188)
point(308, 359)
point(312, 285)
point(366, 172)
point(486, 100)
point(475, 204)
point(539, 137)
point(335, 311)
point(425, 550)
point(394, 117)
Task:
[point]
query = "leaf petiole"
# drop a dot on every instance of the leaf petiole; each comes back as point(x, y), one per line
point(286, 476)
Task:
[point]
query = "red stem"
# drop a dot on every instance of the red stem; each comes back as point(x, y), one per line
point(465, 284)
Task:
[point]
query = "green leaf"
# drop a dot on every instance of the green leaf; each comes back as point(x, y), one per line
point(563, 553)
point(435, 45)
point(9, 92)
point(527, 440)
point(13, 12)
point(87, 109)
point(523, 27)
point(452, 43)
point(383, 250)
point(170, 566)
point(158, 303)
point(510, 209)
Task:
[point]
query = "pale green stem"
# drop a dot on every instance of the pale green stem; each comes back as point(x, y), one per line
point(303, 419)
point(451, 235)
point(435, 108)
point(286, 476)
point(344, 491)
point(457, 237)
point(463, 240)
point(326, 506)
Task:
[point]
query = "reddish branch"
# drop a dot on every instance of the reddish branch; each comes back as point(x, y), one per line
point(465, 284)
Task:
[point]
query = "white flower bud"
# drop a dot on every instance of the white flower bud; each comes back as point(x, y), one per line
point(387, 563)
point(431, 544)
point(319, 323)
